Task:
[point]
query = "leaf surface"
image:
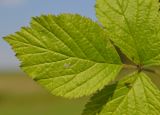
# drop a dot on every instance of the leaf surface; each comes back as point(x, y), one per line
point(134, 95)
point(134, 26)
point(68, 54)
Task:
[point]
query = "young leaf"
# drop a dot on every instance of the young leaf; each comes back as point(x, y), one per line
point(134, 26)
point(134, 95)
point(68, 54)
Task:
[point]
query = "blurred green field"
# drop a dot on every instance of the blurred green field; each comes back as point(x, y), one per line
point(19, 95)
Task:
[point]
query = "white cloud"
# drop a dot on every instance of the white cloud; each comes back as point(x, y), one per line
point(11, 2)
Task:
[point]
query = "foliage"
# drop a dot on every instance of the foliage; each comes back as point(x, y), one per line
point(72, 56)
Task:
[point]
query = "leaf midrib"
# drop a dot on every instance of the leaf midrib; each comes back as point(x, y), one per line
point(49, 50)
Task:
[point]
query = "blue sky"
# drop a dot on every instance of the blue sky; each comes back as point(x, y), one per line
point(17, 13)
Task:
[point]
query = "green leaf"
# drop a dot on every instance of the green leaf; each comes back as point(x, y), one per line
point(98, 100)
point(134, 95)
point(134, 26)
point(68, 54)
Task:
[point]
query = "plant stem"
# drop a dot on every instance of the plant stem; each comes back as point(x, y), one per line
point(127, 66)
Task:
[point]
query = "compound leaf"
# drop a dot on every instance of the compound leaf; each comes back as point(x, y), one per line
point(134, 26)
point(68, 54)
point(134, 95)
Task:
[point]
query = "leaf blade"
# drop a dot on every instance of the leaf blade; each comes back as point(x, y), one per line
point(134, 95)
point(65, 54)
point(134, 27)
